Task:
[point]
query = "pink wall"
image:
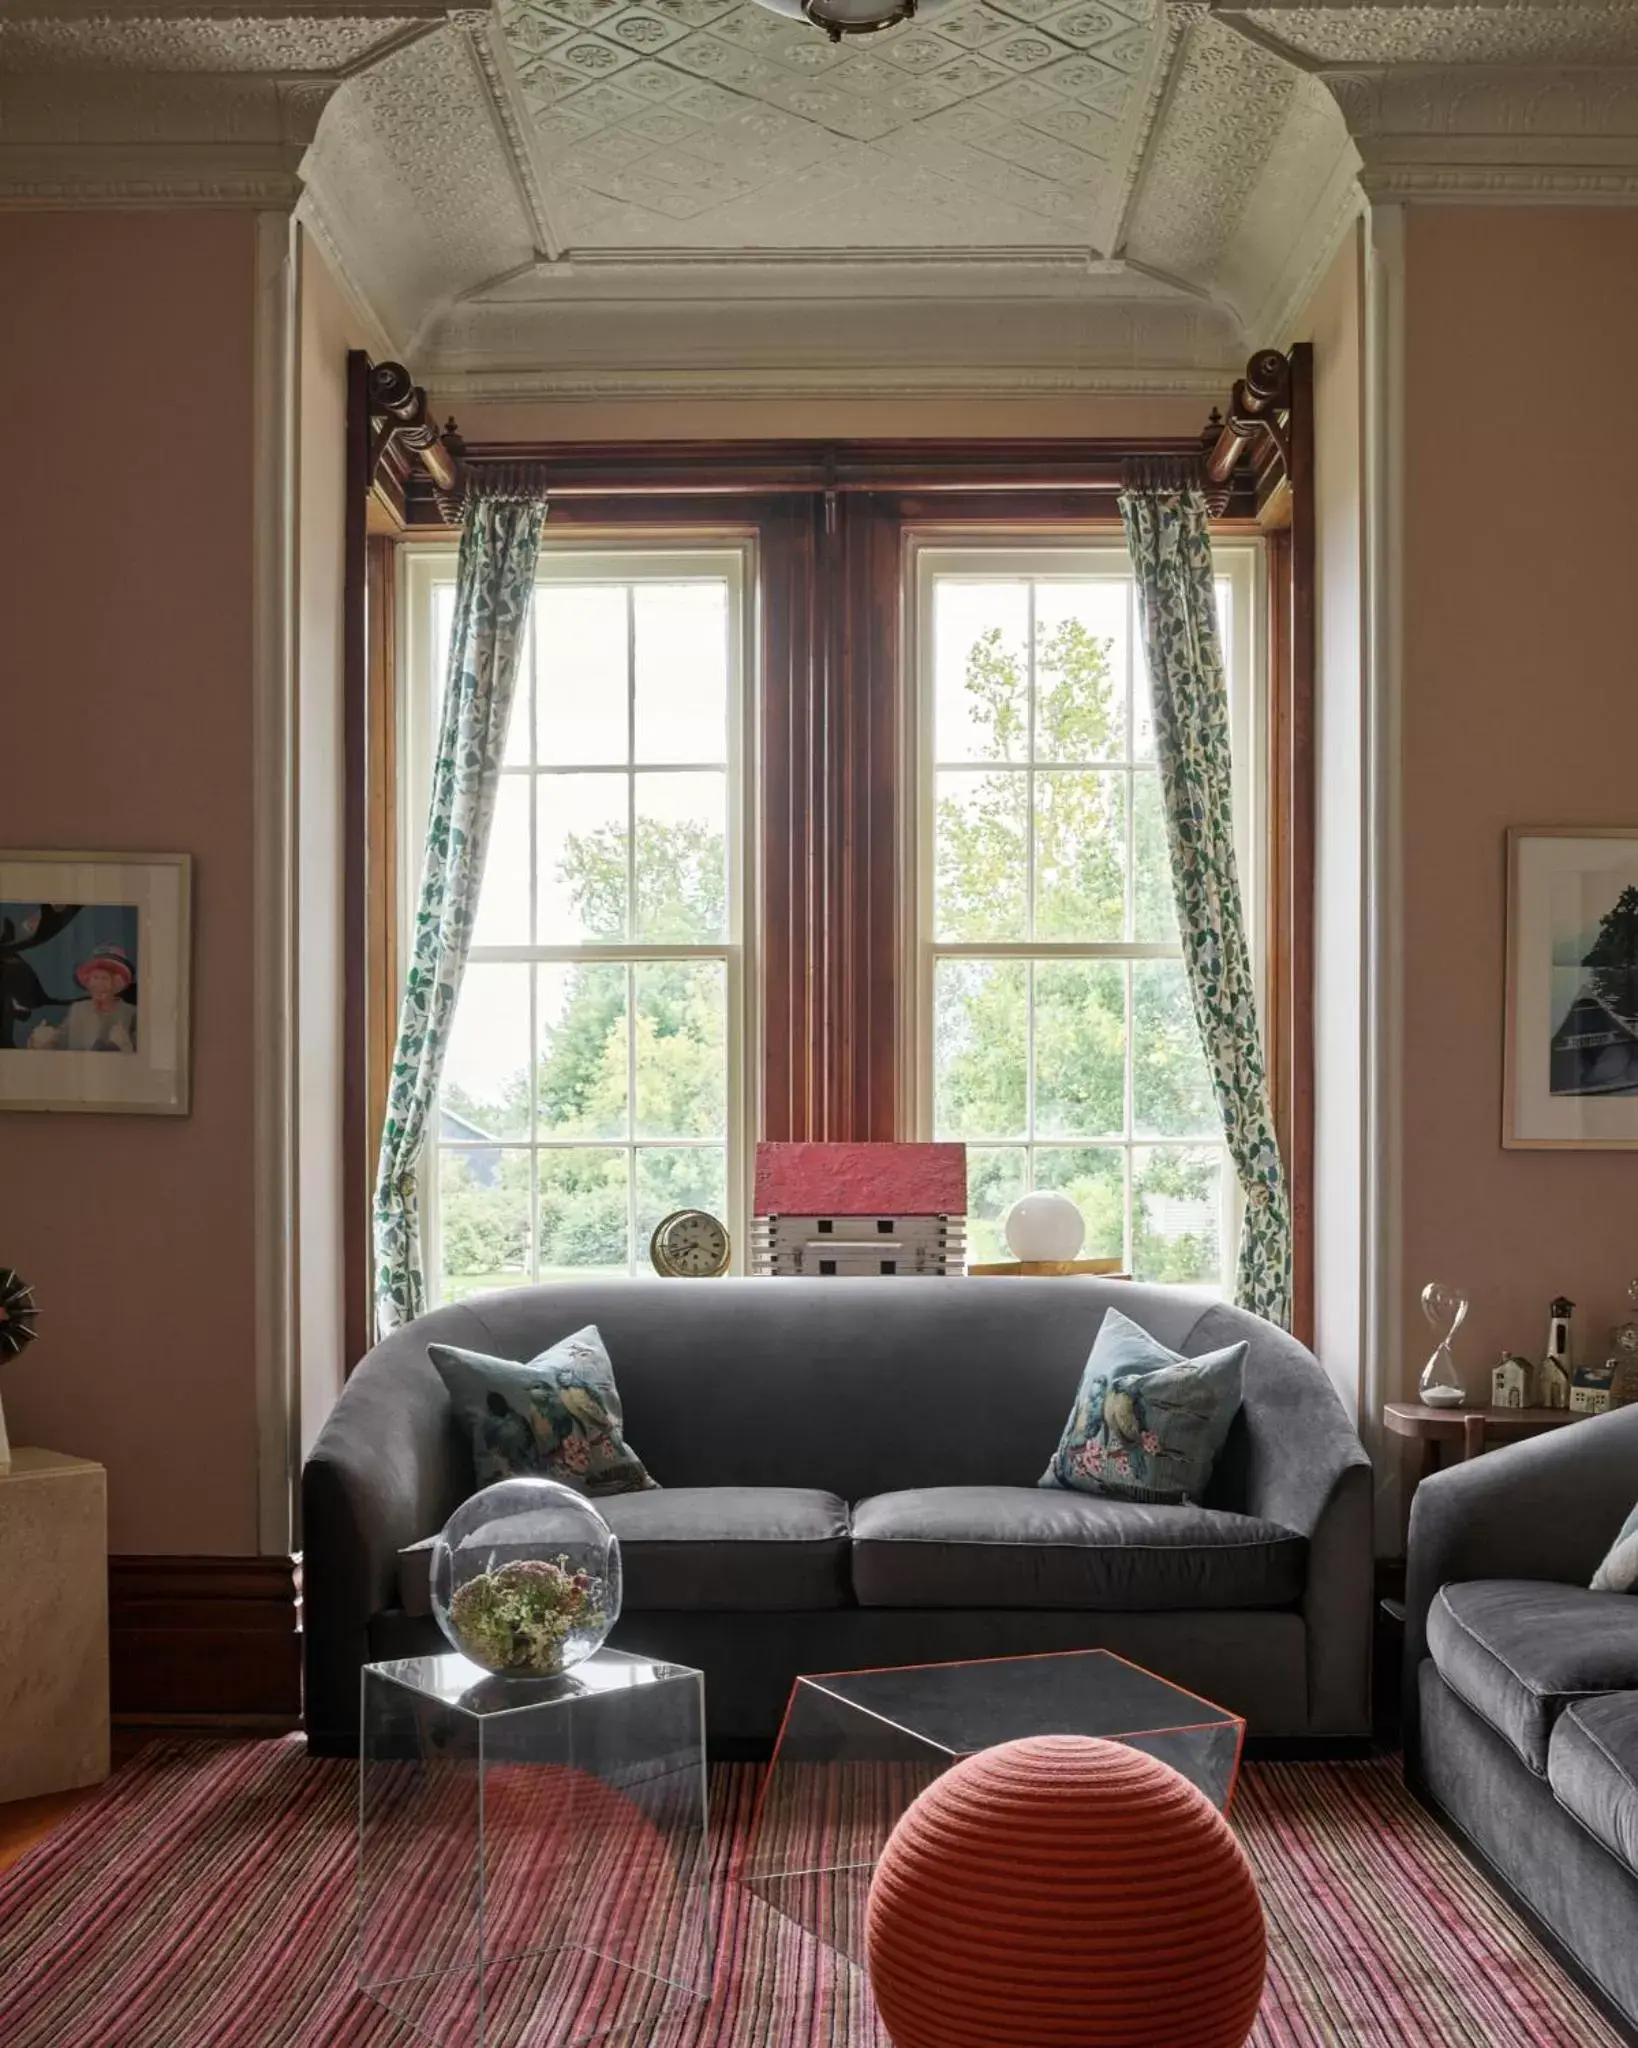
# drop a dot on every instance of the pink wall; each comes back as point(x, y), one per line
point(125, 587)
point(1520, 707)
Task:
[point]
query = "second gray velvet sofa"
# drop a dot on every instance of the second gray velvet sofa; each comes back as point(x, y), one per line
point(848, 1477)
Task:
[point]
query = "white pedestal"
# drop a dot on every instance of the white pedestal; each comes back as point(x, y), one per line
point(53, 1624)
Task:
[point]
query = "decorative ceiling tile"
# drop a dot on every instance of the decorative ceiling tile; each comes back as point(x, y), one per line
point(665, 129)
point(1060, 161)
point(587, 57)
point(1024, 50)
point(1020, 98)
point(693, 13)
point(653, 81)
point(642, 30)
point(1090, 81)
point(920, 51)
point(969, 76)
point(707, 102)
point(1083, 126)
point(1128, 50)
point(1083, 25)
point(575, 13)
point(973, 27)
point(603, 104)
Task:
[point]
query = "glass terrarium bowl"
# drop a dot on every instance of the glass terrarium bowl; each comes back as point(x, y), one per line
point(526, 1578)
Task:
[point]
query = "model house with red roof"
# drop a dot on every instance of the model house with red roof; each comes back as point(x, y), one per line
point(871, 1210)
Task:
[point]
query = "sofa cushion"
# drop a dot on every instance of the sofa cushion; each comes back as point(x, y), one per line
point(1519, 1651)
point(556, 1417)
point(1619, 1571)
point(1592, 1766)
point(731, 1547)
point(1020, 1546)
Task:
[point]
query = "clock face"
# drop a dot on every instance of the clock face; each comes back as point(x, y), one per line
point(1627, 1337)
point(690, 1245)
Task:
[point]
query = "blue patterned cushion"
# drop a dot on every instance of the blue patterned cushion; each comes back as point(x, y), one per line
point(556, 1417)
point(1619, 1571)
point(1147, 1423)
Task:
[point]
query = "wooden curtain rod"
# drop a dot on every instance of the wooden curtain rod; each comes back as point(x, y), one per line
point(406, 446)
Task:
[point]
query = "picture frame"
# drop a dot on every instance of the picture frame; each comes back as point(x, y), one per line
point(1570, 1058)
point(95, 961)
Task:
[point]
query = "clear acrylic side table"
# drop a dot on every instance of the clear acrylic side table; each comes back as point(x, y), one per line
point(533, 1862)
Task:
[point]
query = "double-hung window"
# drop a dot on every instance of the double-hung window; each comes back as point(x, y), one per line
point(1052, 1028)
point(595, 1074)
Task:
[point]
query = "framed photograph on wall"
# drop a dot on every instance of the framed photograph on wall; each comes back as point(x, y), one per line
point(1570, 1076)
point(94, 981)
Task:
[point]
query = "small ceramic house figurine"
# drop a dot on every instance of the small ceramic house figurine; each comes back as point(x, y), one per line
point(861, 1210)
point(1624, 1354)
point(1513, 1383)
point(1554, 1388)
point(1590, 1387)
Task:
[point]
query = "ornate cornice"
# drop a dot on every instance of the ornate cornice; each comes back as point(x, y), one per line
point(1496, 133)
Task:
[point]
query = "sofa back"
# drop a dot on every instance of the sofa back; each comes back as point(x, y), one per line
point(854, 1386)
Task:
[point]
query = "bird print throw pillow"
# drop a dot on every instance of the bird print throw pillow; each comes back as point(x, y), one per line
point(557, 1416)
point(1147, 1424)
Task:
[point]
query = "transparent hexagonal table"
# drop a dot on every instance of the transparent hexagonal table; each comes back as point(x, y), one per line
point(857, 1746)
point(533, 1860)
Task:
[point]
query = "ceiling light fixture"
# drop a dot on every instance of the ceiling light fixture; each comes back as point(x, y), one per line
point(840, 18)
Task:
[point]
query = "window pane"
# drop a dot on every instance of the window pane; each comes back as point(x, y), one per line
point(1177, 1207)
point(503, 901)
point(1080, 1049)
point(980, 671)
point(979, 881)
point(682, 858)
point(583, 1051)
point(581, 841)
point(1080, 671)
point(995, 1180)
point(485, 1091)
point(1154, 905)
point(483, 1219)
point(1080, 855)
point(979, 1049)
point(684, 1177)
point(1172, 1094)
point(443, 631)
point(584, 1225)
point(1094, 1179)
point(580, 663)
point(682, 1048)
point(682, 671)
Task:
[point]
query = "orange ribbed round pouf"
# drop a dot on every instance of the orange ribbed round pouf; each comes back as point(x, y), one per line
point(1062, 1892)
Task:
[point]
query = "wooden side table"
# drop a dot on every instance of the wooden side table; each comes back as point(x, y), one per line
point(53, 1624)
point(1450, 1436)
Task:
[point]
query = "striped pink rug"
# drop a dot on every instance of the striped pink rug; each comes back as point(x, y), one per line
point(205, 1900)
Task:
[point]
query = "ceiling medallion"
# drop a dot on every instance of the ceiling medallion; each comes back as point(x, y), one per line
point(840, 18)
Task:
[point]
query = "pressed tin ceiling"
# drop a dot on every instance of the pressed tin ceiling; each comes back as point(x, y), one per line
point(709, 124)
point(589, 197)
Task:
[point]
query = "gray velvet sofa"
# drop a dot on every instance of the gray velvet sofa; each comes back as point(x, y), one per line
point(1521, 1686)
point(848, 1477)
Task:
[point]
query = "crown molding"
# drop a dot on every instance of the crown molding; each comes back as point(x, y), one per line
point(799, 383)
point(158, 139)
point(383, 343)
point(1498, 134)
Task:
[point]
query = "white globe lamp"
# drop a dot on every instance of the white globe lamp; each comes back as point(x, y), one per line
point(1044, 1228)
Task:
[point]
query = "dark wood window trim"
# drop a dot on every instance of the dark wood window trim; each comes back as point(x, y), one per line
point(830, 525)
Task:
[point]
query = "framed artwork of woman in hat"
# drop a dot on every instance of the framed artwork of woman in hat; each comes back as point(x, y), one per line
point(104, 1019)
point(94, 960)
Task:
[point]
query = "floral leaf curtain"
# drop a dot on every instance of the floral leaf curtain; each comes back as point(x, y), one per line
point(494, 585)
point(1170, 544)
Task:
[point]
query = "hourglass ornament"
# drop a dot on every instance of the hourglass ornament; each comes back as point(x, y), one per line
point(1446, 1311)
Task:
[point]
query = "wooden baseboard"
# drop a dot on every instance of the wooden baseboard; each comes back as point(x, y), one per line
point(205, 1637)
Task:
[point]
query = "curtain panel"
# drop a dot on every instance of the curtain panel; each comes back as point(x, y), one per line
point(494, 587)
point(1168, 536)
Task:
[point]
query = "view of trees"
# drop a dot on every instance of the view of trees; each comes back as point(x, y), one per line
point(1033, 1059)
point(1039, 1050)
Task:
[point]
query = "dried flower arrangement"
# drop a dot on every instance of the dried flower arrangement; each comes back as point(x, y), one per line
point(518, 1618)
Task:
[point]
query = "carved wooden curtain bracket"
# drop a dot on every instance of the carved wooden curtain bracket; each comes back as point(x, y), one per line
point(1258, 423)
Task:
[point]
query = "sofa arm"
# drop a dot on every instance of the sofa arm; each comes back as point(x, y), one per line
point(1546, 1508)
point(388, 1468)
point(1305, 1469)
